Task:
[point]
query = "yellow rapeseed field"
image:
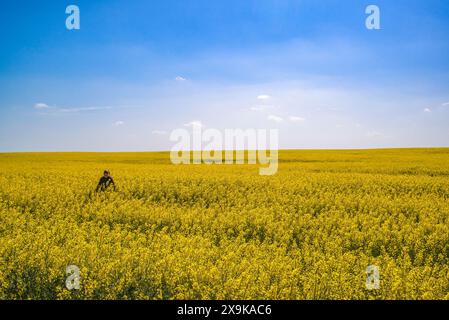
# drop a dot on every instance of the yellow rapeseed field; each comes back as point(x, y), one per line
point(224, 231)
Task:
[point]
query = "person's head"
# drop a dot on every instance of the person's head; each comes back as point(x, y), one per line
point(106, 173)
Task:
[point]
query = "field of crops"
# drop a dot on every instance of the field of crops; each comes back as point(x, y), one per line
point(223, 231)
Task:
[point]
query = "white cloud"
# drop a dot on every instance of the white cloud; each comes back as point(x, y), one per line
point(296, 119)
point(179, 78)
point(263, 97)
point(427, 110)
point(445, 104)
point(41, 105)
point(119, 123)
point(275, 118)
point(195, 123)
point(159, 132)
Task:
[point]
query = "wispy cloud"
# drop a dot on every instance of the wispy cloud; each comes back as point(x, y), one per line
point(374, 134)
point(296, 119)
point(261, 108)
point(75, 110)
point(55, 109)
point(263, 97)
point(180, 79)
point(427, 110)
point(119, 123)
point(195, 124)
point(446, 104)
point(274, 118)
point(41, 106)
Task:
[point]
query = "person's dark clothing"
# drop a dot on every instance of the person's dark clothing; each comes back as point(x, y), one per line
point(104, 183)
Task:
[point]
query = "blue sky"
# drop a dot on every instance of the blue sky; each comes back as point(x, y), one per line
point(136, 70)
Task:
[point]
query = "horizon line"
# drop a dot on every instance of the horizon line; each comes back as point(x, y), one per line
point(283, 149)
